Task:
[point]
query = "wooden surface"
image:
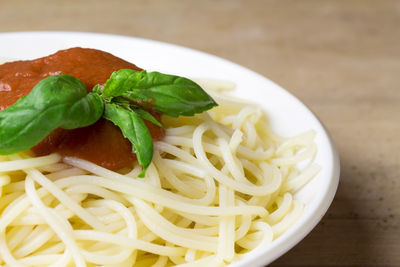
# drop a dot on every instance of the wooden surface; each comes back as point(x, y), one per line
point(341, 58)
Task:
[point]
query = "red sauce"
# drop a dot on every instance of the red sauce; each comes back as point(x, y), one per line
point(102, 142)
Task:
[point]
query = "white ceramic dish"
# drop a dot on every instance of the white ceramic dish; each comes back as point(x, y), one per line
point(288, 116)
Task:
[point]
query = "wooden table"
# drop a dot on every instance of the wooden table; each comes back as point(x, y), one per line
point(342, 58)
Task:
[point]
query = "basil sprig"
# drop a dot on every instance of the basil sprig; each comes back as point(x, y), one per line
point(63, 101)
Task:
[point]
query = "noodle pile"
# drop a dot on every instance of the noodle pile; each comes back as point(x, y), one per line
point(220, 185)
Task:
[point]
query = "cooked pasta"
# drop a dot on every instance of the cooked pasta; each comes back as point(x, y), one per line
point(220, 185)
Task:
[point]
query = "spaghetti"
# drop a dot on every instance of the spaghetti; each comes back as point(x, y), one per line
point(220, 185)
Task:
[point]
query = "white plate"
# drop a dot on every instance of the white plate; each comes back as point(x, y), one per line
point(288, 116)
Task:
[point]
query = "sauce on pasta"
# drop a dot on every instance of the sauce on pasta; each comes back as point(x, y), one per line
point(101, 143)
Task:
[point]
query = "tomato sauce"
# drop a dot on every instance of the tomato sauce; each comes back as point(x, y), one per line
point(101, 143)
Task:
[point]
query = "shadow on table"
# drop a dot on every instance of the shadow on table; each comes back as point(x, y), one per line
point(344, 237)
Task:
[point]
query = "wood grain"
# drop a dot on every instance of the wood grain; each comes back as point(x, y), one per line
point(342, 58)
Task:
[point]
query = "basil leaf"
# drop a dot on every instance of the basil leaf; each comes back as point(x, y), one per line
point(121, 81)
point(133, 128)
point(83, 112)
point(56, 101)
point(147, 116)
point(169, 94)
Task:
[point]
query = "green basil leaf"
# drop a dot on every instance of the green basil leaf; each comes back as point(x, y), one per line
point(133, 128)
point(169, 94)
point(147, 116)
point(56, 101)
point(121, 81)
point(83, 112)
